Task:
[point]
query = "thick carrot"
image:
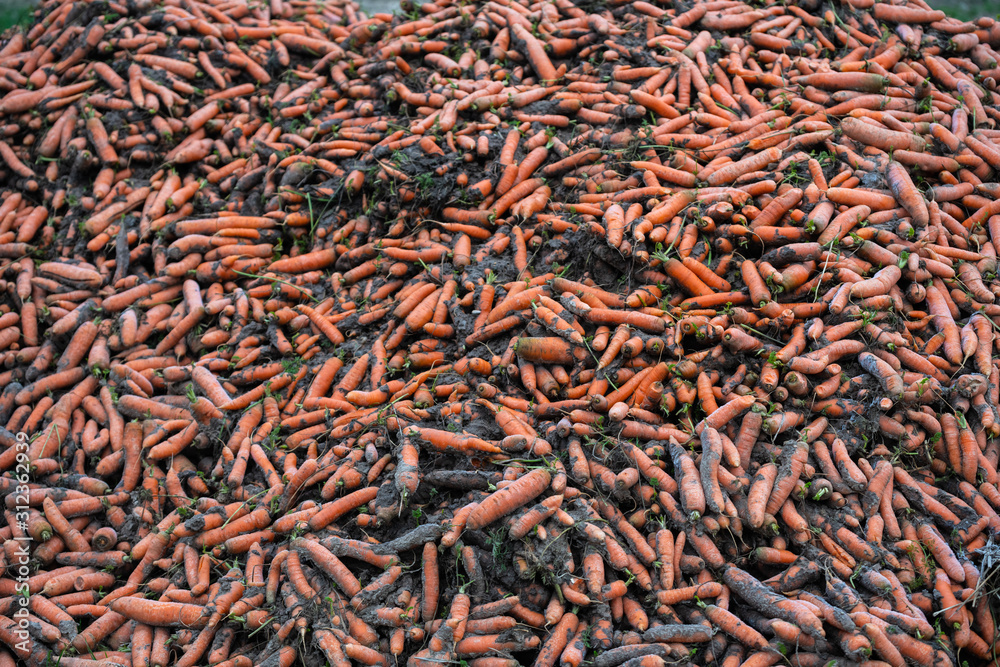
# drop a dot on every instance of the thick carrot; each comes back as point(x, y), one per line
point(734, 627)
point(152, 612)
point(509, 498)
point(906, 193)
point(880, 137)
point(686, 278)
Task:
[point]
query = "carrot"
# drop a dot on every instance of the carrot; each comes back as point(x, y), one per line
point(730, 173)
point(71, 536)
point(759, 494)
point(692, 494)
point(445, 441)
point(536, 515)
point(884, 373)
point(907, 194)
point(706, 275)
point(152, 612)
point(759, 293)
point(332, 565)
point(786, 479)
point(331, 511)
point(548, 350)
point(99, 138)
point(945, 323)
point(941, 552)
point(686, 278)
point(431, 582)
point(558, 640)
point(872, 135)
point(907, 14)
point(882, 645)
point(14, 162)
point(649, 323)
point(734, 627)
point(132, 446)
point(509, 498)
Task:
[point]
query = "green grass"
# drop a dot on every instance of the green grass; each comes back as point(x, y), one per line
point(967, 10)
point(15, 12)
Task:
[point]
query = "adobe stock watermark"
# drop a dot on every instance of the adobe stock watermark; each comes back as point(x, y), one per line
point(21, 568)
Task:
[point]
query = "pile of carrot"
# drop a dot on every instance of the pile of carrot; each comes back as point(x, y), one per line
point(499, 332)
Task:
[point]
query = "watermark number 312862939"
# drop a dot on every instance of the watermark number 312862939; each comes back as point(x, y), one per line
point(22, 569)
